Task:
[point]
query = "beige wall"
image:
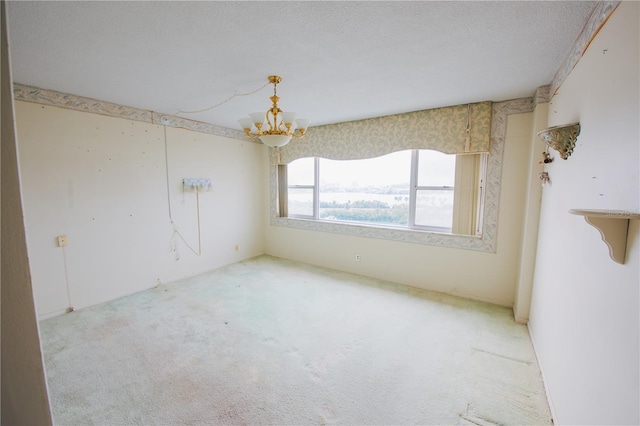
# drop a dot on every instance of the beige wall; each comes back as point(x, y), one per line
point(478, 275)
point(24, 391)
point(102, 182)
point(526, 267)
point(585, 307)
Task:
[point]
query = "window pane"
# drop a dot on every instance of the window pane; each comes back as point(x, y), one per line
point(434, 208)
point(300, 172)
point(300, 201)
point(436, 168)
point(374, 190)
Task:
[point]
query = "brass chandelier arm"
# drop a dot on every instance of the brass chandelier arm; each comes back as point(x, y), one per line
point(251, 135)
point(273, 126)
point(300, 136)
point(288, 132)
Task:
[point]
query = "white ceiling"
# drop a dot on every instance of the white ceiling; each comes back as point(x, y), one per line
point(339, 61)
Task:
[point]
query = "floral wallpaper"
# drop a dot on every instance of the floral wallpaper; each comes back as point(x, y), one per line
point(599, 16)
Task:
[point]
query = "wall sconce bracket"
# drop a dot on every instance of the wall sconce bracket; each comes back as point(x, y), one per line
point(561, 138)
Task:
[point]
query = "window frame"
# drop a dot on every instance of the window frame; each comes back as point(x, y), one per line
point(413, 191)
point(315, 196)
point(413, 196)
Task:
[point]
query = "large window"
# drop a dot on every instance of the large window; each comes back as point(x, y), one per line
point(410, 189)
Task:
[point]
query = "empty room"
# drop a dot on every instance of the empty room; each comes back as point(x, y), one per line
point(446, 231)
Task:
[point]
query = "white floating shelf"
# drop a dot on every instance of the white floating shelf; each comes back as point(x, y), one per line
point(613, 226)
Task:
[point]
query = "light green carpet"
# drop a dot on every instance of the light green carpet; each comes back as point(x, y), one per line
point(270, 341)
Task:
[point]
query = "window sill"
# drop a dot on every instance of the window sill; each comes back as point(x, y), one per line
point(435, 230)
point(414, 236)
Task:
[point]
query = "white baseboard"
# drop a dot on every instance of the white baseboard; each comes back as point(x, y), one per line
point(51, 314)
point(520, 320)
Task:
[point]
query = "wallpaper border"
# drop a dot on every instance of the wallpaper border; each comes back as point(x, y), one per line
point(54, 98)
point(489, 239)
point(601, 12)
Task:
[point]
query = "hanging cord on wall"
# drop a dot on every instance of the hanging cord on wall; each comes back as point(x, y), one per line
point(174, 241)
point(66, 279)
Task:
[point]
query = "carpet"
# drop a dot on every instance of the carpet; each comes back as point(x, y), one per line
point(271, 341)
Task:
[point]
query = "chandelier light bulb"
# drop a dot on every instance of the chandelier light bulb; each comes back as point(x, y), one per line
point(245, 123)
point(289, 117)
point(257, 118)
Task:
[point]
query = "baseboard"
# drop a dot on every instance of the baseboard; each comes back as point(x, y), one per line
point(554, 418)
point(520, 320)
point(51, 314)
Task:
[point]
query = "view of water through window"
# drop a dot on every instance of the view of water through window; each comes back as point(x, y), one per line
point(375, 190)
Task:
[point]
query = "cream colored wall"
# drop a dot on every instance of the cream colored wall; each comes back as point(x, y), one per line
point(522, 304)
point(585, 308)
point(102, 182)
point(24, 391)
point(477, 275)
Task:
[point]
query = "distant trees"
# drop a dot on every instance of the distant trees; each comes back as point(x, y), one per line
point(359, 204)
point(370, 211)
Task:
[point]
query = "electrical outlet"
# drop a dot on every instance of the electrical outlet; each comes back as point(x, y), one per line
point(62, 241)
point(357, 258)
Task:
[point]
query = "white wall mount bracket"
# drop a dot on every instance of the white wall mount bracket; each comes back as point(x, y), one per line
point(613, 226)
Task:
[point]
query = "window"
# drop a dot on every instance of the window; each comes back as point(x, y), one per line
point(432, 185)
point(301, 175)
point(412, 189)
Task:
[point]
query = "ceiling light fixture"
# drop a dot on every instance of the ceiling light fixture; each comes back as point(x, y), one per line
point(276, 135)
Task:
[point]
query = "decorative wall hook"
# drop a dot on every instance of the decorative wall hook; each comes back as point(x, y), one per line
point(544, 178)
point(546, 158)
point(561, 138)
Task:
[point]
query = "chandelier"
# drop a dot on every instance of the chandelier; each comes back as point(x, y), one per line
point(276, 135)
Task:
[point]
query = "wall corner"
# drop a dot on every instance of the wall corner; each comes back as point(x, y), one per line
point(522, 304)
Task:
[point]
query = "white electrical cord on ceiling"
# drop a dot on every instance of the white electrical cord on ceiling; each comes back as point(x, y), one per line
point(225, 101)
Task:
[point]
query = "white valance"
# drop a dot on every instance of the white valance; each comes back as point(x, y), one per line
point(461, 129)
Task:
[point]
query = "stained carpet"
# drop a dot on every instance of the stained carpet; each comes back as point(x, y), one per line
point(271, 341)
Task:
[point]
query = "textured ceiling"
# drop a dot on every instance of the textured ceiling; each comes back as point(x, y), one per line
point(339, 61)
